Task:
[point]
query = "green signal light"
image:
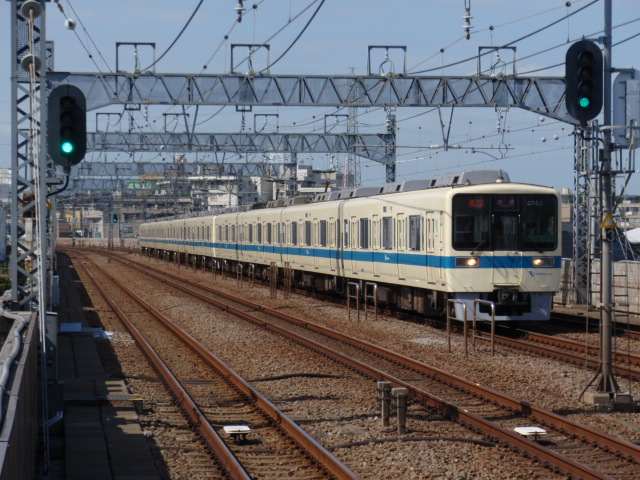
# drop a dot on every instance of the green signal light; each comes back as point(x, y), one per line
point(584, 102)
point(67, 147)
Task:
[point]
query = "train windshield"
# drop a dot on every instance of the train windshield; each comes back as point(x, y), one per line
point(505, 222)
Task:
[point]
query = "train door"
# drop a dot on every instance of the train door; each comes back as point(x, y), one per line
point(314, 242)
point(507, 260)
point(342, 236)
point(401, 241)
point(375, 242)
point(333, 233)
point(353, 243)
point(434, 245)
point(279, 241)
point(291, 235)
point(259, 241)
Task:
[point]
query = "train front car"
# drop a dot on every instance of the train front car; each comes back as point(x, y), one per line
point(505, 251)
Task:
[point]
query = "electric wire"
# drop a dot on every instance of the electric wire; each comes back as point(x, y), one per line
point(177, 37)
point(493, 27)
point(90, 55)
point(401, 120)
point(530, 34)
point(295, 40)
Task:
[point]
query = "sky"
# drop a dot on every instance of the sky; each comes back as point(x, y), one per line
point(530, 148)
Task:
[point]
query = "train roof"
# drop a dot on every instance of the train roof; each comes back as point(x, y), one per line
point(467, 177)
point(471, 177)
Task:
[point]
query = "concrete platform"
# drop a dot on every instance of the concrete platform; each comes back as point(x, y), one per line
point(101, 439)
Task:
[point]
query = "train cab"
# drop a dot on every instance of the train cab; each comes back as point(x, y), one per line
point(511, 242)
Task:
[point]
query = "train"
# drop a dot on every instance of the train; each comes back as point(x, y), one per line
point(470, 244)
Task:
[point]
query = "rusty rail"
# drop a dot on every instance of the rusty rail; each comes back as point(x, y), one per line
point(620, 447)
point(316, 451)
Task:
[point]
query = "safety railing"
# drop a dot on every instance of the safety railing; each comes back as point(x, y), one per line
point(371, 293)
point(353, 293)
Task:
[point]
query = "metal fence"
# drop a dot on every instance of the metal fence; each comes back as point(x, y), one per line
point(626, 286)
point(19, 432)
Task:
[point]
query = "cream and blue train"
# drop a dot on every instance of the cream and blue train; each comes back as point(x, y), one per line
point(468, 236)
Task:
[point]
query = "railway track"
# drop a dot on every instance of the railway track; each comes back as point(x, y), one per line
point(213, 396)
point(569, 447)
point(576, 353)
point(632, 331)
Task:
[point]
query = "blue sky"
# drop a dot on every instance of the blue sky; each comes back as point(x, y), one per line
point(530, 148)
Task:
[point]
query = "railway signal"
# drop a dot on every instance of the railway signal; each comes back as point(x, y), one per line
point(115, 218)
point(67, 125)
point(584, 81)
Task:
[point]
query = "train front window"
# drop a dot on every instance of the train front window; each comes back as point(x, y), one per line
point(505, 222)
point(471, 221)
point(541, 220)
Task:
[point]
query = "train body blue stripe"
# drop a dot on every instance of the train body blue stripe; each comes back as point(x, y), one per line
point(409, 259)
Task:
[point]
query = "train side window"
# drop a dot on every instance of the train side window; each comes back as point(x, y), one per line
point(322, 233)
point(294, 233)
point(268, 242)
point(364, 233)
point(415, 232)
point(387, 233)
point(259, 233)
point(346, 234)
point(233, 233)
point(219, 232)
point(250, 233)
point(307, 233)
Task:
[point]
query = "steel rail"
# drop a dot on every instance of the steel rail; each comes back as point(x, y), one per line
point(219, 448)
point(593, 350)
point(626, 449)
point(594, 321)
point(569, 356)
point(316, 451)
point(586, 434)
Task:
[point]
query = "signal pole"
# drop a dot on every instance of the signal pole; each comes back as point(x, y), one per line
point(607, 390)
point(606, 383)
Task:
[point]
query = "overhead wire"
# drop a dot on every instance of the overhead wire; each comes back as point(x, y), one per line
point(90, 55)
point(493, 27)
point(400, 120)
point(535, 32)
point(168, 49)
point(515, 41)
point(295, 40)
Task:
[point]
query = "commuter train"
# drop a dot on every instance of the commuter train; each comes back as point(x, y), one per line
point(489, 245)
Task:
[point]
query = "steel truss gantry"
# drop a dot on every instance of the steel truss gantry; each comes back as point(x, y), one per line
point(376, 147)
point(543, 95)
point(114, 176)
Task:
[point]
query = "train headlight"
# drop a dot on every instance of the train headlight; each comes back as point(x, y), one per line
point(544, 261)
point(467, 262)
